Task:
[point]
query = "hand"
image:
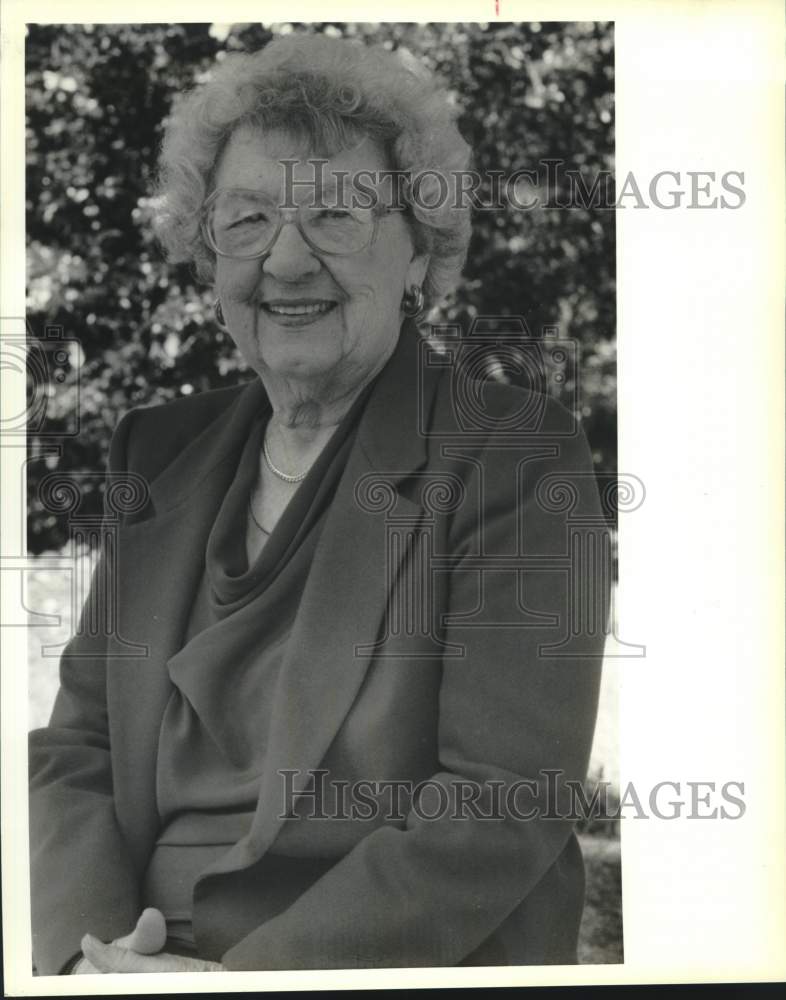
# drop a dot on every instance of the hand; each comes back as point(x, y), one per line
point(139, 951)
point(147, 938)
point(149, 935)
point(106, 958)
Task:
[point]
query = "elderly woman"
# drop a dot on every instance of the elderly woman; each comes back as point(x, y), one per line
point(355, 684)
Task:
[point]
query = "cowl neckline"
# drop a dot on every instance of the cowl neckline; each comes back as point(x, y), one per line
point(232, 581)
point(238, 633)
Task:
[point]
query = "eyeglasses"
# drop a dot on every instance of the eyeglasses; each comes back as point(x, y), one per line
point(244, 225)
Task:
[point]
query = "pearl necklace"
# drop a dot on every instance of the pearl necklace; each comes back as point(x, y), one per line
point(277, 472)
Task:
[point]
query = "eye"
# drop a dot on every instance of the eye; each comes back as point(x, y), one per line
point(250, 219)
point(333, 214)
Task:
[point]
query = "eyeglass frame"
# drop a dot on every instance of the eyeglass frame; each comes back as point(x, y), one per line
point(294, 217)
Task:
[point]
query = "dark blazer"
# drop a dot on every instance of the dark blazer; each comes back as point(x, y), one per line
point(425, 515)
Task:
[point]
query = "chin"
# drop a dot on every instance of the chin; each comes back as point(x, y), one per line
point(296, 360)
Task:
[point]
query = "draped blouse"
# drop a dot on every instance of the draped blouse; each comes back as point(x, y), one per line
point(213, 737)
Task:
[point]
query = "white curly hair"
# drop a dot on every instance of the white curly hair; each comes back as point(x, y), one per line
point(332, 92)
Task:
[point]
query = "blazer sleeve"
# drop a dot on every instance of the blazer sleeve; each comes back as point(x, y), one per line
point(429, 893)
point(82, 877)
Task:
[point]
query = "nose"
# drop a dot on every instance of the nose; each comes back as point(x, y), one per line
point(291, 258)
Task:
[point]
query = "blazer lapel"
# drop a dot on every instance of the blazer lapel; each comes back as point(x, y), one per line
point(344, 601)
point(159, 566)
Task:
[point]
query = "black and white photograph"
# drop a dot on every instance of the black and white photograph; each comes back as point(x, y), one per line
point(325, 533)
point(355, 556)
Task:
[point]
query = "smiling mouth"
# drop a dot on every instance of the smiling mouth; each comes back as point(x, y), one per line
point(298, 309)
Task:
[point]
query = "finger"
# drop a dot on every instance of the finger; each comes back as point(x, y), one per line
point(109, 958)
point(149, 935)
point(84, 968)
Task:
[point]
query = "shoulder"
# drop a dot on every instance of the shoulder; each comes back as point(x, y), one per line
point(487, 412)
point(511, 446)
point(147, 438)
point(185, 411)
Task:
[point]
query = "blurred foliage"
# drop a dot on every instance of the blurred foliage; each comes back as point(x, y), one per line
point(143, 331)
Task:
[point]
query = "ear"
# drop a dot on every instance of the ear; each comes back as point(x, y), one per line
point(416, 272)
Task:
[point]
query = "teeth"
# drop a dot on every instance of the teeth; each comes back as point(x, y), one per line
point(304, 310)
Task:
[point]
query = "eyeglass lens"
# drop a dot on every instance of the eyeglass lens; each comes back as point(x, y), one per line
point(244, 223)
